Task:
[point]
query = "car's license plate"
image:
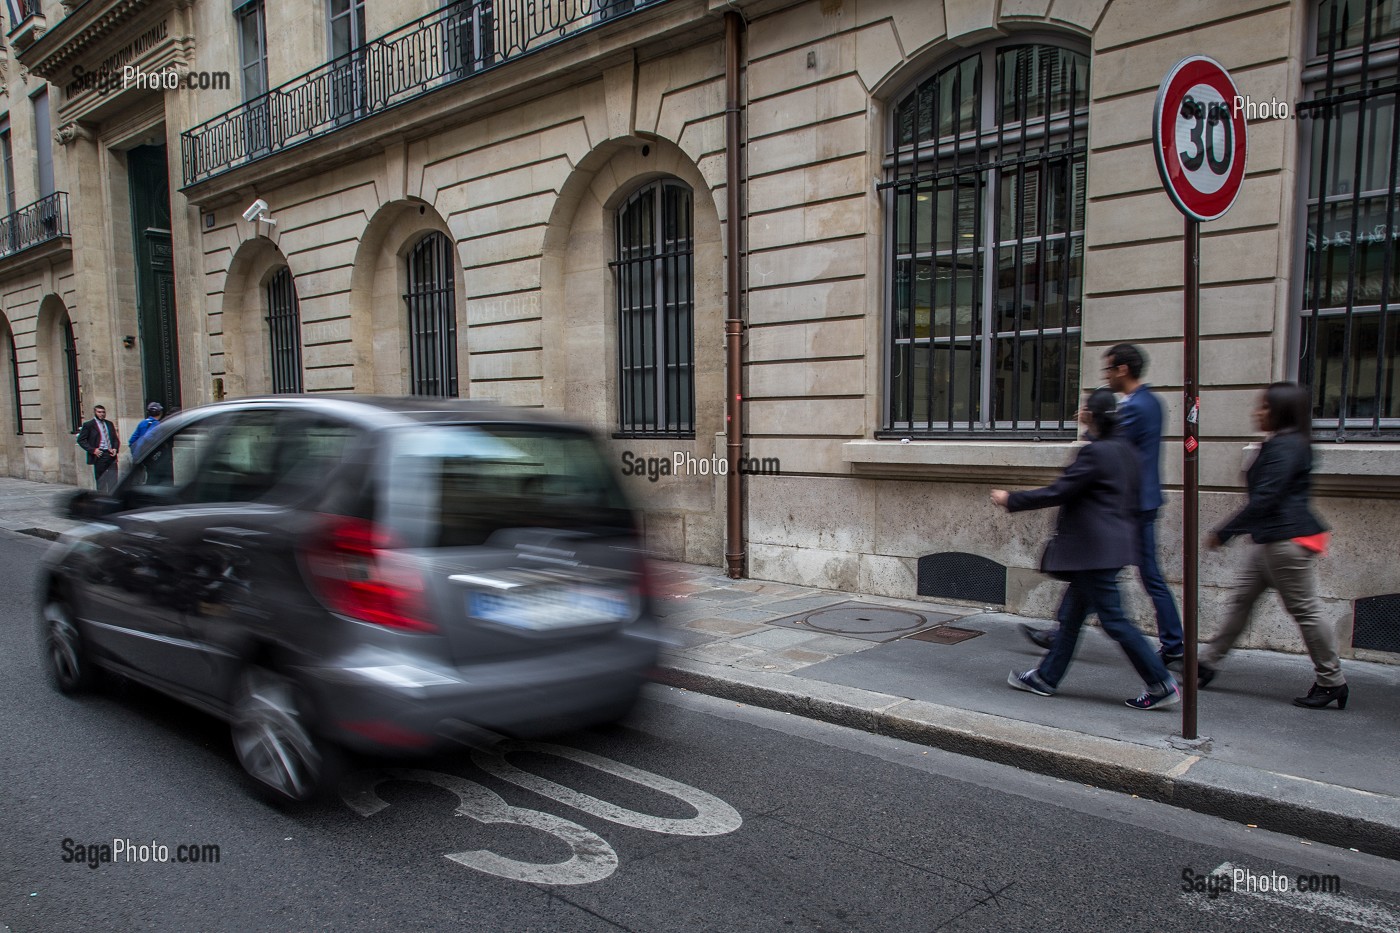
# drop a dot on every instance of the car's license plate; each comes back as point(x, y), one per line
point(550, 609)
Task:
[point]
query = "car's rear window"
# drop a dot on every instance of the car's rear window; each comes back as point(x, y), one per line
point(456, 485)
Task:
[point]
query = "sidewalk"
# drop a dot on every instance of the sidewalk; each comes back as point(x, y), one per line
point(1327, 776)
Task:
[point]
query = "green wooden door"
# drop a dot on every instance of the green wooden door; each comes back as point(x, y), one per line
point(155, 275)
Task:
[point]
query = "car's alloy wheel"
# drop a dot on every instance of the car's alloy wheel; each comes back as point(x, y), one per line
point(273, 738)
point(68, 662)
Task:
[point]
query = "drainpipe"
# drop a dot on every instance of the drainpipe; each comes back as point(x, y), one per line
point(734, 322)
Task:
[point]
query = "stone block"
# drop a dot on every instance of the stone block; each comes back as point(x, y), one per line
point(807, 223)
point(832, 100)
point(970, 21)
point(1080, 15)
point(524, 364)
point(1237, 361)
point(799, 185)
point(1130, 21)
point(803, 512)
point(835, 570)
point(1129, 170)
point(845, 416)
point(808, 262)
point(882, 575)
point(803, 341)
point(524, 335)
point(799, 148)
point(1262, 36)
point(819, 377)
point(807, 302)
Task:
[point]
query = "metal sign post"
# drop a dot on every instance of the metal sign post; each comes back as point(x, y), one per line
point(1199, 139)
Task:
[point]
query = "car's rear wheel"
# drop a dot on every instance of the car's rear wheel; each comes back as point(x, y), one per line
point(275, 740)
point(69, 663)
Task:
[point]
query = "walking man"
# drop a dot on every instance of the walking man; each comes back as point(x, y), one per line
point(1140, 424)
point(154, 412)
point(99, 438)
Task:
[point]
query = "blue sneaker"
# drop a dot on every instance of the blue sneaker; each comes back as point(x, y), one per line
point(1150, 700)
point(1030, 682)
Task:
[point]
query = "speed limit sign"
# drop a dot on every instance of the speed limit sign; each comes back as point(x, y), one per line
point(1198, 134)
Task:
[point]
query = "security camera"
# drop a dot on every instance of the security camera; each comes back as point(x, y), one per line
point(255, 210)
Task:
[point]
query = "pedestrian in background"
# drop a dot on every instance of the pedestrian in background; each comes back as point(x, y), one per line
point(1288, 539)
point(1140, 417)
point(154, 412)
point(98, 437)
point(1096, 535)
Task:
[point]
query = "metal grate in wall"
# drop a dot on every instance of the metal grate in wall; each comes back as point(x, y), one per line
point(1376, 623)
point(956, 575)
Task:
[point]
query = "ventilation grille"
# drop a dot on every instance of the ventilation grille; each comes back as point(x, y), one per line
point(1376, 624)
point(955, 575)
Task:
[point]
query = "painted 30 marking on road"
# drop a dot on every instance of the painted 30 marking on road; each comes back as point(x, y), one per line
point(591, 857)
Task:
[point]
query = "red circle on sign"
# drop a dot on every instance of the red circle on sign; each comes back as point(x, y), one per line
point(1192, 199)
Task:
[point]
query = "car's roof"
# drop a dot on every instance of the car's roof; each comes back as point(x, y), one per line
point(386, 409)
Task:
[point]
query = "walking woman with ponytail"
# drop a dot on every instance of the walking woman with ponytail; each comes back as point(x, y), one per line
point(1288, 539)
point(1096, 535)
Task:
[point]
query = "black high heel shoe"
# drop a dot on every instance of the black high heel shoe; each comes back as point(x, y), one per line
point(1319, 697)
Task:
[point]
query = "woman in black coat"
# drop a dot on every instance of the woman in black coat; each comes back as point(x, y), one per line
point(1096, 535)
point(1288, 538)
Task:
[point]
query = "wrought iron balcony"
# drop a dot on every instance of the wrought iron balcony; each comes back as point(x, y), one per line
point(46, 219)
point(446, 46)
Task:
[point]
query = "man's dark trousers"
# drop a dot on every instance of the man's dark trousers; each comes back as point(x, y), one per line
point(104, 473)
point(1168, 620)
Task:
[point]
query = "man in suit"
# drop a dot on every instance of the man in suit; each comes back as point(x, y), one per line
point(1140, 419)
point(99, 438)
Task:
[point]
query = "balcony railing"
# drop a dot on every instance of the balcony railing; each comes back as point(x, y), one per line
point(442, 48)
point(46, 219)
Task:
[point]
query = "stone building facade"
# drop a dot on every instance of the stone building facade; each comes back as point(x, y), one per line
point(947, 211)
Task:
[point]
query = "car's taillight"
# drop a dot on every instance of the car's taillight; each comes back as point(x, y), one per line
point(356, 570)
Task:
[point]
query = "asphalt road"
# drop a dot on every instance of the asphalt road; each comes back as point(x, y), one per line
point(738, 819)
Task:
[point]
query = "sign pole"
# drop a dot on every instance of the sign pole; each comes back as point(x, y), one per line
point(1190, 478)
point(1200, 140)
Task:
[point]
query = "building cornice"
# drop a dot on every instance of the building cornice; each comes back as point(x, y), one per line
point(86, 30)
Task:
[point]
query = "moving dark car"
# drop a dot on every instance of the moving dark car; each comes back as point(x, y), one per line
point(379, 574)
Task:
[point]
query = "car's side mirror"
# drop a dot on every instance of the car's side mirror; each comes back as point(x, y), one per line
point(146, 497)
point(89, 504)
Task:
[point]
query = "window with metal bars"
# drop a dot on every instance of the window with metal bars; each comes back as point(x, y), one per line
point(985, 210)
point(1349, 328)
point(284, 332)
point(656, 312)
point(70, 365)
point(432, 318)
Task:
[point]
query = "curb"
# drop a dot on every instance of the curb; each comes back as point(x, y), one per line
point(1315, 811)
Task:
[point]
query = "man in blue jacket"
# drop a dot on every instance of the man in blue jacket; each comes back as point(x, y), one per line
point(154, 412)
point(1140, 424)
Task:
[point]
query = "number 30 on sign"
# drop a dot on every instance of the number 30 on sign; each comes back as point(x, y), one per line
point(1199, 138)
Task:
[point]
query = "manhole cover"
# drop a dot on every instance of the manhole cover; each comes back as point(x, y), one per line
point(945, 635)
point(864, 620)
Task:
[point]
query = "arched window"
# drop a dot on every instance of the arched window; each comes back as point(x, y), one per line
point(1349, 313)
point(284, 332)
point(432, 318)
point(70, 365)
point(655, 312)
point(985, 207)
